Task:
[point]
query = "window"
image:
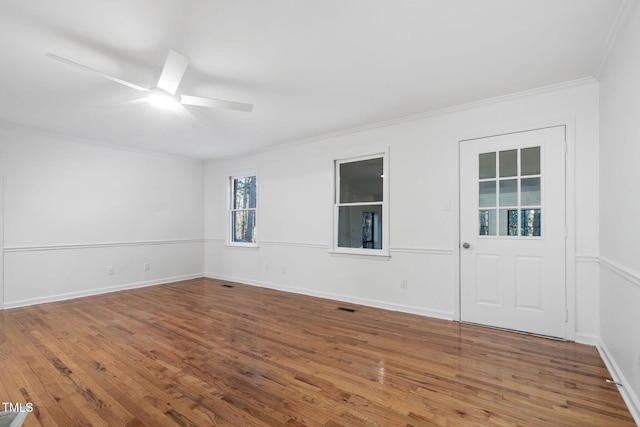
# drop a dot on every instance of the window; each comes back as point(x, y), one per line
point(360, 205)
point(243, 210)
point(510, 194)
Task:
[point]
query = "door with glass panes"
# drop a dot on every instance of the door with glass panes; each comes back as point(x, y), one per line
point(512, 231)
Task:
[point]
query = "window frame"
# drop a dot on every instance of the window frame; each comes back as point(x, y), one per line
point(376, 154)
point(231, 210)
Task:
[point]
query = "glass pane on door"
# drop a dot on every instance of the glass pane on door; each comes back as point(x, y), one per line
point(508, 163)
point(530, 191)
point(488, 222)
point(530, 161)
point(530, 220)
point(487, 165)
point(508, 222)
point(509, 192)
point(487, 196)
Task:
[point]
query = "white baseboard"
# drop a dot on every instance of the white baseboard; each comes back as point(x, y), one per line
point(588, 339)
point(338, 297)
point(627, 393)
point(98, 291)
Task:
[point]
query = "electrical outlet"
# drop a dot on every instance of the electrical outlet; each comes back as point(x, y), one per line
point(284, 270)
point(147, 266)
point(405, 284)
point(110, 270)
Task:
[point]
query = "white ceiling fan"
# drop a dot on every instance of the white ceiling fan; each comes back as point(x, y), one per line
point(164, 94)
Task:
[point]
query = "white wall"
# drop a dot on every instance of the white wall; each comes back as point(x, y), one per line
point(1, 234)
point(295, 214)
point(71, 209)
point(620, 209)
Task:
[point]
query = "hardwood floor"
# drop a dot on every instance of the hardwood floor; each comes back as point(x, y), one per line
point(199, 353)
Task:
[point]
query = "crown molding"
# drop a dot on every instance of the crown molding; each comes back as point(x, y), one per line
point(427, 114)
point(621, 18)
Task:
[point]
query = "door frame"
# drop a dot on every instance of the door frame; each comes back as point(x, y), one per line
point(570, 208)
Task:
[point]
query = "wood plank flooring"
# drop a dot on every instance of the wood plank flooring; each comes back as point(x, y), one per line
point(197, 353)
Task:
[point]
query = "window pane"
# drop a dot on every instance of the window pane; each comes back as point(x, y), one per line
point(243, 225)
point(530, 191)
point(530, 161)
point(530, 220)
point(508, 163)
point(487, 196)
point(361, 181)
point(487, 222)
point(487, 165)
point(508, 222)
point(244, 192)
point(509, 192)
point(360, 227)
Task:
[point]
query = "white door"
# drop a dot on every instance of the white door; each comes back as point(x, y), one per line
point(512, 231)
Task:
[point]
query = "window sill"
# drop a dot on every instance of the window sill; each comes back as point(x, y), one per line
point(242, 245)
point(378, 255)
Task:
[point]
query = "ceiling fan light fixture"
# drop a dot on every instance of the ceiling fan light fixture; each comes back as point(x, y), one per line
point(162, 99)
point(164, 96)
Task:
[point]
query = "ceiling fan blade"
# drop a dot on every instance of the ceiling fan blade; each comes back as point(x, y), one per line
point(172, 72)
point(100, 73)
point(215, 103)
point(185, 114)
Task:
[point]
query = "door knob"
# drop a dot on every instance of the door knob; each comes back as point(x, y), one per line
point(466, 245)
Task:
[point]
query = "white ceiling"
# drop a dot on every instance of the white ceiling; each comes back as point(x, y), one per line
point(310, 67)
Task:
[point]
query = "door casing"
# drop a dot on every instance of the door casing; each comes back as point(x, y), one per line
point(570, 207)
